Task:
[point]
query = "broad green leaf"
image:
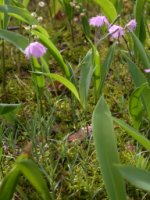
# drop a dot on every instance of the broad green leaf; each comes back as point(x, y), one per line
point(9, 183)
point(141, 51)
point(19, 13)
point(140, 29)
point(16, 39)
point(64, 81)
point(31, 172)
point(138, 177)
point(134, 133)
point(54, 51)
point(137, 76)
point(108, 9)
point(136, 106)
point(105, 67)
point(7, 108)
point(85, 77)
point(139, 79)
point(106, 149)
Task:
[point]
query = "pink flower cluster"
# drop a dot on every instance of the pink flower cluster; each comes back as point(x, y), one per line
point(147, 70)
point(35, 49)
point(98, 21)
point(114, 30)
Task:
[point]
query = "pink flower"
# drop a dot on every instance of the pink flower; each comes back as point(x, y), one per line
point(35, 49)
point(98, 21)
point(116, 31)
point(131, 25)
point(147, 70)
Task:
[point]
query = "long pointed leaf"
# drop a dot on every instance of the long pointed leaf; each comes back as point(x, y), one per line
point(31, 171)
point(64, 81)
point(9, 183)
point(141, 51)
point(134, 133)
point(85, 77)
point(19, 13)
point(106, 149)
point(138, 177)
point(105, 67)
point(16, 39)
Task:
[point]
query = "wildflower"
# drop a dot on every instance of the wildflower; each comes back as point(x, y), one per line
point(34, 14)
point(35, 49)
point(131, 25)
point(27, 28)
point(40, 19)
point(116, 31)
point(41, 4)
point(147, 70)
point(34, 26)
point(98, 21)
point(72, 4)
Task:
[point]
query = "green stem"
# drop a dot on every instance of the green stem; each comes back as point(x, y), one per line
point(38, 99)
point(3, 66)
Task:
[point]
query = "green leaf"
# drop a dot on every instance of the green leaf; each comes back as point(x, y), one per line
point(97, 70)
point(19, 13)
point(134, 133)
point(26, 3)
point(9, 183)
point(16, 39)
point(64, 81)
point(105, 67)
point(137, 76)
point(85, 77)
point(54, 51)
point(138, 177)
point(7, 108)
point(139, 79)
point(141, 51)
point(140, 29)
point(1, 153)
point(108, 9)
point(136, 106)
point(31, 171)
point(106, 149)
point(86, 26)
point(41, 30)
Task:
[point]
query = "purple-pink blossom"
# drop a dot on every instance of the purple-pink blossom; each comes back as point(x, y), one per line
point(35, 49)
point(116, 31)
point(131, 25)
point(98, 21)
point(147, 70)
